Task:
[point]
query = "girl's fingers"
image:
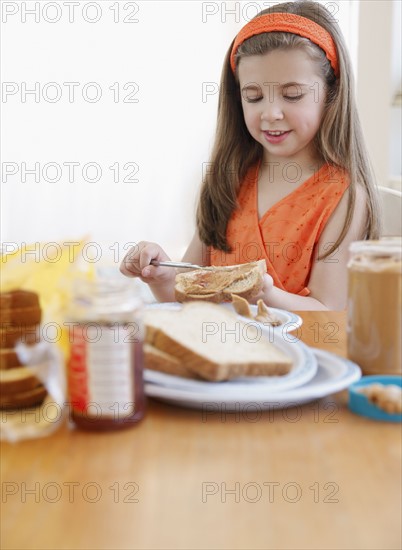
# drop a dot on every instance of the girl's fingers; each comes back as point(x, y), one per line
point(137, 262)
point(130, 264)
point(151, 272)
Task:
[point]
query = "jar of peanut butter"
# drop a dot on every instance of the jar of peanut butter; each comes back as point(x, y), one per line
point(105, 368)
point(374, 305)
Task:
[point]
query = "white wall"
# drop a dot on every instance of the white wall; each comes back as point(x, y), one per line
point(166, 133)
point(172, 53)
point(396, 87)
point(379, 76)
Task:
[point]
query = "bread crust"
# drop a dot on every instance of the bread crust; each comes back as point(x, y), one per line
point(156, 359)
point(194, 363)
point(30, 398)
point(9, 359)
point(18, 379)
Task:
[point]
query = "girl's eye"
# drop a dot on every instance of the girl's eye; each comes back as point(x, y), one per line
point(293, 97)
point(253, 99)
point(251, 95)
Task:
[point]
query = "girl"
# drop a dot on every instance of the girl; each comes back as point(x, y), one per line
point(290, 179)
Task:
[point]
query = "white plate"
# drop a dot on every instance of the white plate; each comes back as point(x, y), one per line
point(289, 320)
point(333, 374)
point(304, 369)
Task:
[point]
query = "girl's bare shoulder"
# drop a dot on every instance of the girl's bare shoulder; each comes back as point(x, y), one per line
point(359, 217)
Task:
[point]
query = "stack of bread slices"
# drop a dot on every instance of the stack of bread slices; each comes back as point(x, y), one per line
point(207, 341)
point(20, 316)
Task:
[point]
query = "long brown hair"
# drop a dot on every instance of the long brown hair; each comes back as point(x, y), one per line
point(339, 141)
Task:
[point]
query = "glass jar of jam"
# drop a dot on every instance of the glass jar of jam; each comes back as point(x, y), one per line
point(105, 367)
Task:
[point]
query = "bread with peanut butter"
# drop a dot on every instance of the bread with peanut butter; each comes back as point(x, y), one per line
point(217, 284)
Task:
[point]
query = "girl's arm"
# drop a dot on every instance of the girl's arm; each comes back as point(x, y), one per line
point(328, 278)
point(197, 252)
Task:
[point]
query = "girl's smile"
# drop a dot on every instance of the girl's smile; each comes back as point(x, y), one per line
point(275, 136)
point(283, 101)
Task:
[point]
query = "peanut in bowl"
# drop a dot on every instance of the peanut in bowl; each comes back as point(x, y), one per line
point(377, 397)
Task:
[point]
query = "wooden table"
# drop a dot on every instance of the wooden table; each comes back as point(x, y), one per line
point(329, 480)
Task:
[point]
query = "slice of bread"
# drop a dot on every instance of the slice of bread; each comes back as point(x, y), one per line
point(18, 299)
point(213, 343)
point(18, 379)
point(9, 359)
point(29, 398)
point(21, 315)
point(217, 284)
point(19, 387)
point(156, 359)
point(11, 335)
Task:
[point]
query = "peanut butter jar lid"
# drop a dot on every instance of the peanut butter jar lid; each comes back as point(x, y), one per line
point(377, 255)
point(388, 246)
point(365, 397)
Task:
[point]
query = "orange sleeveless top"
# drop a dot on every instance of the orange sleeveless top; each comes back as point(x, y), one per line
point(287, 234)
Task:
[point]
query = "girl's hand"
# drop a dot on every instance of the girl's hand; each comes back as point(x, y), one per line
point(268, 285)
point(136, 263)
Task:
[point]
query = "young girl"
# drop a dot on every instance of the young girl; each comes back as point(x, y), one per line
point(290, 180)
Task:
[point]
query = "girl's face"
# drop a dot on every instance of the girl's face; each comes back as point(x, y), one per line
point(283, 102)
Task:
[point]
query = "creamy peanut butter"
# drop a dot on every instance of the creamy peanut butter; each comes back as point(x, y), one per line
point(374, 306)
point(214, 280)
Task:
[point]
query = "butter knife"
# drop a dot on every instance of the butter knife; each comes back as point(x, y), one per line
point(184, 265)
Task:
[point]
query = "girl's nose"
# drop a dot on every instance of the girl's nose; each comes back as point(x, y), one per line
point(272, 111)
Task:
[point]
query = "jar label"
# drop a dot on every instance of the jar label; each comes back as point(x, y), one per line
point(101, 371)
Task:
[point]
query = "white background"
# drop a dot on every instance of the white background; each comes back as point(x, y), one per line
point(173, 53)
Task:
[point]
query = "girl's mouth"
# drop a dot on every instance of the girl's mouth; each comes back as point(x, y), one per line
point(276, 136)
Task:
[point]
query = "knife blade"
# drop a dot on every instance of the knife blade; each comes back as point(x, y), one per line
point(181, 265)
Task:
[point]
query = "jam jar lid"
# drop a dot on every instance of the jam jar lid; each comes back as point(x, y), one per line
point(104, 295)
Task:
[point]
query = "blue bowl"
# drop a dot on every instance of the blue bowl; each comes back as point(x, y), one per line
point(360, 404)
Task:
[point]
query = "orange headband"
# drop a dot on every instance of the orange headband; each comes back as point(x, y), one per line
point(288, 22)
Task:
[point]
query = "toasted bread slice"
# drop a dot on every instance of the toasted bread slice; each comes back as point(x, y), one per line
point(213, 343)
point(217, 284)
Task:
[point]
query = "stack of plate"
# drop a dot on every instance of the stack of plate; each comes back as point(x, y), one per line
point(315, 374)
